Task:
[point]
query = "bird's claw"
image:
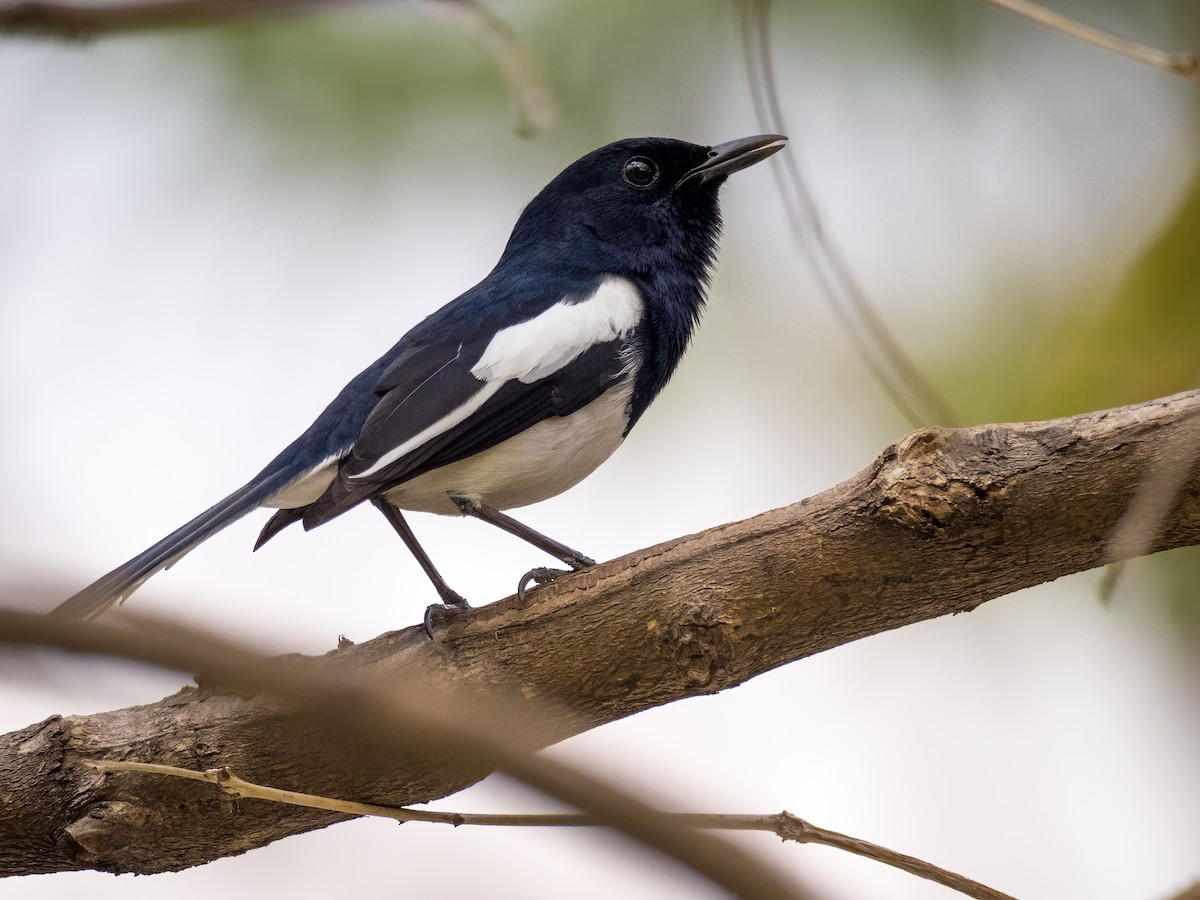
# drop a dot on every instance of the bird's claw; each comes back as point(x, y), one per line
point(539, 576)
point(438, 612)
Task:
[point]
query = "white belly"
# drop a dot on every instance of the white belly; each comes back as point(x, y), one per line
point(536, 464)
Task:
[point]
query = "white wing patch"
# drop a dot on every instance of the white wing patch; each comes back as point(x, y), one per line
point(541, 346)
point(531, 350)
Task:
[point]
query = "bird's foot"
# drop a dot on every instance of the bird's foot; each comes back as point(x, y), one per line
point(541, 576)
point(436, 613)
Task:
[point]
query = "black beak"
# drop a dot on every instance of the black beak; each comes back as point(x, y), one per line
point(732, 156)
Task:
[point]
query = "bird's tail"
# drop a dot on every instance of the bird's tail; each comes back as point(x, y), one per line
point(125, 579)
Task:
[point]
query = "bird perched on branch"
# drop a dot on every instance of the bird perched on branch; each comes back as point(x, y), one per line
point(520, 387)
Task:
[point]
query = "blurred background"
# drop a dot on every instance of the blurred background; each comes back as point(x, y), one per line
point(205, 233)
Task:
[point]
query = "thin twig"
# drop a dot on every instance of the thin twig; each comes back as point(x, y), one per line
point(518, 63)
point(1181, 63)
point(784, 825)
point(1161, 487)
point(520, 66)
point(48, 18)
point(880, 351)
point(427, 719)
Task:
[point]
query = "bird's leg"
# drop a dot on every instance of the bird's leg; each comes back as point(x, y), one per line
point(452, 601)
point(572, 558)
point(449, 596)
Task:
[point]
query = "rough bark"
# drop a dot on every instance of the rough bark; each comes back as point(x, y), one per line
point(941, 522)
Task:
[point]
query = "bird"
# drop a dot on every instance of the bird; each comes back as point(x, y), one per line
point(521, 386)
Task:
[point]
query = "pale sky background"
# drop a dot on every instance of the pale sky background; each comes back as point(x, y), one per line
point(182, 291)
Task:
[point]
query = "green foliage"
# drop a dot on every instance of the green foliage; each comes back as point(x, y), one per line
point(357, 82)
point(1145, 340)
point(350, 82)
point(1178, 573)
point(1104, 347)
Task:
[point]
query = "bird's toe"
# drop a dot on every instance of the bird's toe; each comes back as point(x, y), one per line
point(437, 613)
point(539, 577)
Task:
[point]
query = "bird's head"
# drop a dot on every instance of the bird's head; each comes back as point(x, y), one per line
point(635, 205)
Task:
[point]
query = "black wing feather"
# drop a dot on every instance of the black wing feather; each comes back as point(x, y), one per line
point(515, 407)
point(437, 381)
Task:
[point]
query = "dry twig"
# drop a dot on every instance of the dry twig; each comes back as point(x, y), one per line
point(895, 373)
point(1185, 64)
point(517, 61)
point(1161, 486)
point(783, 825)
point(78, 21)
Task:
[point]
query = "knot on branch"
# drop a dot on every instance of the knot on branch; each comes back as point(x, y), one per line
point(702, 645)
point(104, 831)
point(43, 737)
point(928, 477)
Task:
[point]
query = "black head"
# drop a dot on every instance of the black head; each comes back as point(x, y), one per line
point(635, 206)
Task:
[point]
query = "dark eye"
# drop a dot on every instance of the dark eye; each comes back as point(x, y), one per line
point(640, 173)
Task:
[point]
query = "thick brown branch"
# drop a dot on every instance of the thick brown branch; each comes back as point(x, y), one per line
point(943, 521)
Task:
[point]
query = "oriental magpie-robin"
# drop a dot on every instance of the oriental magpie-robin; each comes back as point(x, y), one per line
point(520, 387)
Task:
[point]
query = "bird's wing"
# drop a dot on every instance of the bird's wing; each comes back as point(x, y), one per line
point(446, 400)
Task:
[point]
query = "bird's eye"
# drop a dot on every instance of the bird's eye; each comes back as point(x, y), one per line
point(640, 173)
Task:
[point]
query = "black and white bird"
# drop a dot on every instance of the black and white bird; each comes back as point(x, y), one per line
point(523, 385)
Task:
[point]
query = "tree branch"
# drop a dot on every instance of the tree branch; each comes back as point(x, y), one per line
point(334, 714)
point(941, 522)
